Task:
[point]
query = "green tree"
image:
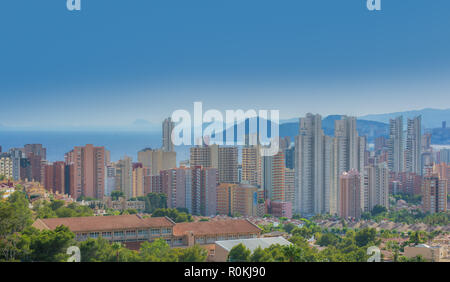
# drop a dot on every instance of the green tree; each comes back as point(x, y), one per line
point(288, 227)
point(157, 251)
point(327, 239)
point(239, 253)
point(48, 245)
point(260, 255)
point(192, 254)
point(116, 194)
point(365, 236)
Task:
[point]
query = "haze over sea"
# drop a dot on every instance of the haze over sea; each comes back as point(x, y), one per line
point(119, 143)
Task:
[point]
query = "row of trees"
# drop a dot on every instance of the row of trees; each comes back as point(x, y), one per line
point(409, 216)
point(57, 208)
point(177, 215)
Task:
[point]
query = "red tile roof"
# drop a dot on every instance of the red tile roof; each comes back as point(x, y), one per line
point(232, 226)
point(103, 223)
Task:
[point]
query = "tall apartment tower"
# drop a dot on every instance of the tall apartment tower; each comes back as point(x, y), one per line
point(204, 195)
point(167, 127)
point(350, 195)
point(202, 156)
point(228, 165)
point(413, 151)
point(110, 179)
point(225, 159)
point(348, 153)
point(251, 165)
point(6, 165)
point(138, 175)
point(312, 162)
point(237, 199)
point(434, 191)
point(17, 155)
point(289, 185)
point(87, 176)
point(273, 177)
point(53, 178)
point(36, 155)
point(177, 185)
point(395, 145)
point(157, 160)
point(124, 176)
point(376, 186)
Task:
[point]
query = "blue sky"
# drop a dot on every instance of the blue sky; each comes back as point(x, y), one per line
point(117, 60)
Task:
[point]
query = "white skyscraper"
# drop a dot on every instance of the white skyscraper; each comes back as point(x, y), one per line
point(312, 167)
point(167, 128)
point(414, 146)
point(347, 154)
point(395, 145)
point(376, 186)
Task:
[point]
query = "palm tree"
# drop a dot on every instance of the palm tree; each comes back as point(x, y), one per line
point(116, 247)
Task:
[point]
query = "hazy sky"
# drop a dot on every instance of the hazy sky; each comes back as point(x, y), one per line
point(118, 60)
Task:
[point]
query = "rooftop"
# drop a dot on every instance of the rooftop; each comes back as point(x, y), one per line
point(254, 243)
point(103, 223)
point(231, 226)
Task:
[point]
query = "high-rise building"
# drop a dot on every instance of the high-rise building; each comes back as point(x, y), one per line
point(443, 156)
point(17, 155)
point(177, 185)
point(53, 178)
point(312, 168)
point(157, 160)
point(110, 179)
point(376, 186)
point(138, 175)
point(348, 152)
point(228, 165)
point(192, 188)
point(289, 155)
point(37, 150)
point(413, 150)
point(167, 128)
point(225, 159)
point(6, 166)
point(426, 141)
point(251, 165)
point(434, 193)
point(235, 199)
point(87, 175)
point(395, 145)
point(201, 156)
point(36, 155)
point(124, 176)
point(442, 169)
point(289, 185)
point(273, 177)
point(204, 196)
point(350, 195)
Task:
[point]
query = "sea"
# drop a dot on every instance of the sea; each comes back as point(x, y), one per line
point(119, 143)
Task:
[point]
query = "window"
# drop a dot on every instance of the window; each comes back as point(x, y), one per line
point(131, 233)
point(106, 234)
point(166, 230)
point(143, 232)
point(155, 231)
point(94, 235)
point(118, 234)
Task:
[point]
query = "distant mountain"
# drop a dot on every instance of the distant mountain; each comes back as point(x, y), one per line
point(431, 118)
